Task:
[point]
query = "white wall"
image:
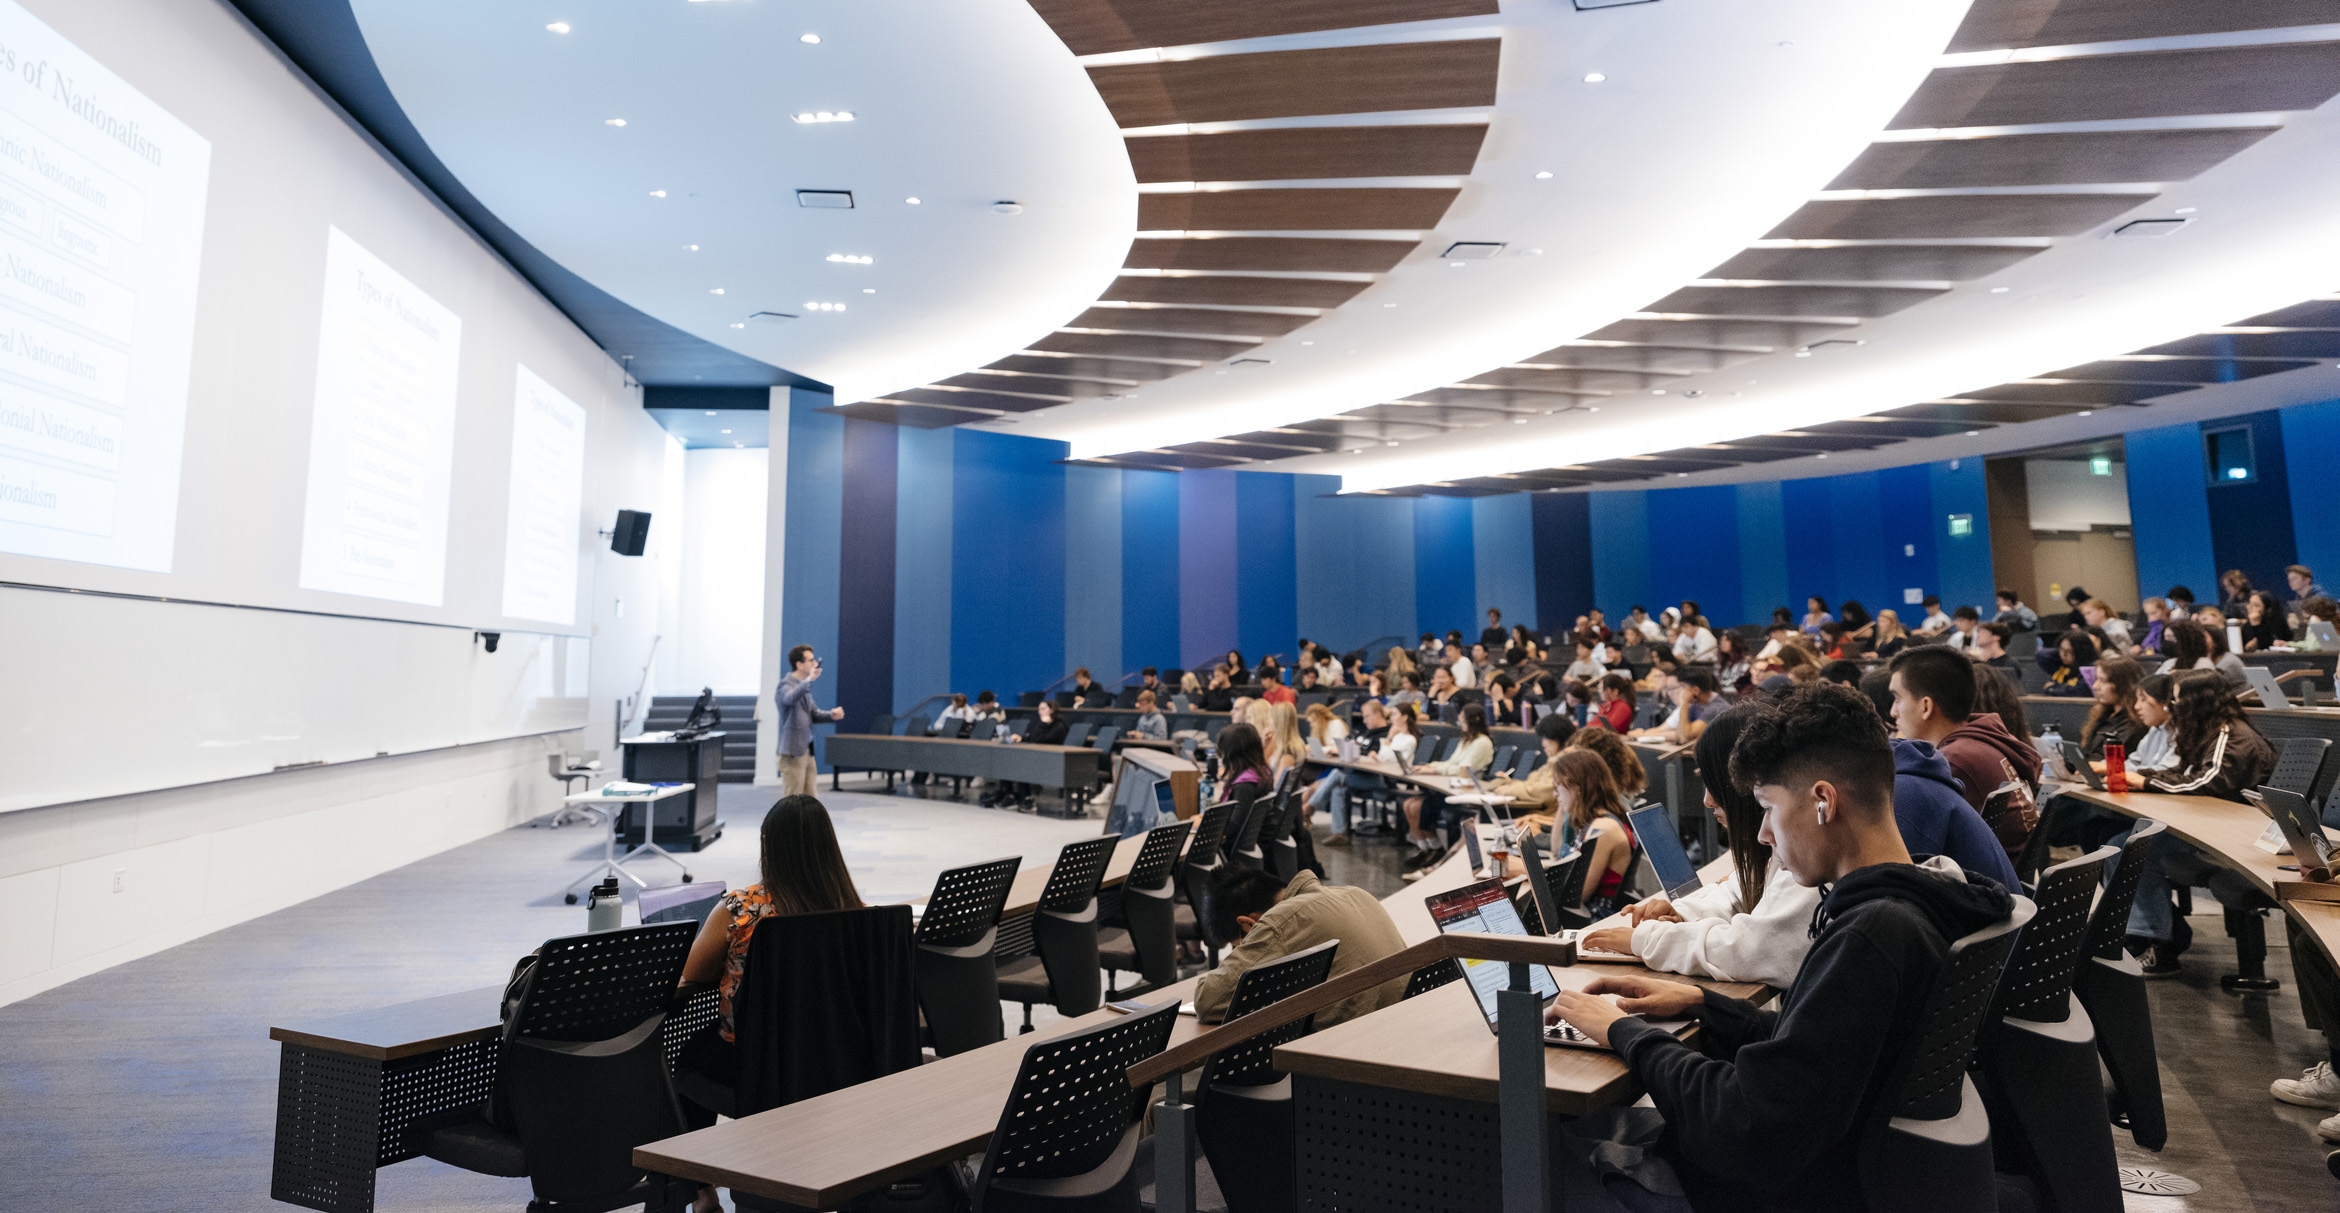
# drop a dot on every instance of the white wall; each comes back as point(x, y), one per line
point(2066, 496)
point(720, 619)
point(285, 164)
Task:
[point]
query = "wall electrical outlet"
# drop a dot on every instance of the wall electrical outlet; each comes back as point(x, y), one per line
point(121, 877)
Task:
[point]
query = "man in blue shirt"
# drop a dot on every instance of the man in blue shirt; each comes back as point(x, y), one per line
point(798, 771)
point(2303, 583)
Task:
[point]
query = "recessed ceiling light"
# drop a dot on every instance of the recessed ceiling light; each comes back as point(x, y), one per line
point(1357, 450)
point(727, 431)
point(2186, 210)
point(1519, 421)
point(820, 116)
point(1546, 175)
point(852, 259)
point(1456, 264)
point(1308, 343)
point(559, 27)
point(690, 248)
point(737, 325)
point(613, 122)
point(1974, 433)
point(1998, 290)
point(869, 290)
point(658, 193)
point(716, 291)
point(1594, 77)
point(1592, 408)
point(911, 201)
point(710, 412)
point(1392, 442)
point(1803, 353)
point(1389, 305)
point(823, 307)
point(1657, 391)
point(1821, 455)
point(1681, 475)
point(2088, 412)
point(809, 39)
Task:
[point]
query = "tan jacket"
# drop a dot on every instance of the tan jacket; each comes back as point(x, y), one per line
point(1311, 913)
point(1533, 792)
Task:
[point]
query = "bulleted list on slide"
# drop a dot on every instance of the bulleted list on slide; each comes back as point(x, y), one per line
point(101, 235)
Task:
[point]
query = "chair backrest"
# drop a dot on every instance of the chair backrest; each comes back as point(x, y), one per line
point(1158, 858)
point(1210, 836)
point(985, 730)
point(966, 902)
point(2108, 927)
point(1247, 832)
point(1567, 879)
point(1433, 975)
point(2296, 768)
point(1030, 699)
point(2331, 814)
point(680, 902)
point(2037, 985)
point(825, 1001)
point(882, 723)
point(1077, 734)
point(1072, 1103)
point(903, 726)
point(1252, 1063)
point(598, 986)
point(1080, 869)
point(1932, 1081)
point(1103, 741)
point(1502, 759)
point(1530, 757)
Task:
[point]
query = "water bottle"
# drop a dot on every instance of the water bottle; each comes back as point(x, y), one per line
point(605, 907)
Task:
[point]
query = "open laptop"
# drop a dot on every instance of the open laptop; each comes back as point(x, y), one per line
point(2076, 764)
point(1653, 827)
point(2263, 681)
point(2300, 829)
point(1484, 907)
point(1478, 852)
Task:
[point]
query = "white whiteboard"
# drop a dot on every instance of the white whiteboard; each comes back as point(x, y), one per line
point(110, 695)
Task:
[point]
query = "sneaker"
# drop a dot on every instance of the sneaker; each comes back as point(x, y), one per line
point(1336, 840)
point(2329, 1129)
point(1424, 859)
point(2316, 1087)
point(2159, 961)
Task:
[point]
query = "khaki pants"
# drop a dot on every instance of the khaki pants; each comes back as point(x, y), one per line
point(798, 775)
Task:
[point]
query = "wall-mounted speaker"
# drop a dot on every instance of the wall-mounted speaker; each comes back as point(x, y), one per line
point(632, 531)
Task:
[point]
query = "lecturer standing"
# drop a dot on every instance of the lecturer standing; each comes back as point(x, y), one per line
point(798, 772)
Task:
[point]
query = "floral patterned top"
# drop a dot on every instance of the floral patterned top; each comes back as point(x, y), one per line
point(746, 907)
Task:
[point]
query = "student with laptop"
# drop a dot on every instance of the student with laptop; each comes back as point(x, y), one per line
point(1426, 812)
point(1768, 1111)
point(1588, 800)
point(1754, 926)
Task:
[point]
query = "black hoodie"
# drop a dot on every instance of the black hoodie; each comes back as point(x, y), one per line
point(1768, 1112)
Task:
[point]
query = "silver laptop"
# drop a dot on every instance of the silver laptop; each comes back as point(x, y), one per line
point(1653, 828)
point(2270, 691)
point(2076, 763)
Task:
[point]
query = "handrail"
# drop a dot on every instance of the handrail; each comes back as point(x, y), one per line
point(1458, 945)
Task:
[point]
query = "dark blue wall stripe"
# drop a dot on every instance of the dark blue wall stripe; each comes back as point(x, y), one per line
point(1149, 569)
point(2312, 432)
point(864, 661)
point(923, 518)
point(1694, 550)
point(1007, 563)
point(1562, 524)
point(2169, 511)
point(815, 489)
point(1905, 499)
point(1446, 583)
point(1763, 574)
point(2250, 524)
point(1267, 602)
point(1354, 565)
point(1206, 567)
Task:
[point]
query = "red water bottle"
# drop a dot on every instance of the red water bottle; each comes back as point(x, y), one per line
point(2116, 767)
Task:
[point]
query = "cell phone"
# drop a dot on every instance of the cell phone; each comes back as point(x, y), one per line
point(1128, 1006)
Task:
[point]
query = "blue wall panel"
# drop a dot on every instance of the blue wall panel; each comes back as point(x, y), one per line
point(1564, 559)
point(1905, 499)
point(1805, 509)
point(1267, 603)
point(864, 661)
point(1763, 574)
point(922, 566)
point(1963, 561)
point(1859, 535)
point(2250, 524)
point(1620, 551)
point(1696, 550)
point(1353, 561)
point(1206, 567)
point(1007, 613)
point(1446, 584)
point(1092, 568)
point(2311, 439)
point(1149, 569)
point(2169, 511)
point(816, 510)
point(1503, 540)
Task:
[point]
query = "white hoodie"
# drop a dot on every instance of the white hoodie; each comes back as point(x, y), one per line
point(1714, 940)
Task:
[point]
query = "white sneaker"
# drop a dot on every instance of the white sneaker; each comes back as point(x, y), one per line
point(2329, 1129)
point(2316, 1087)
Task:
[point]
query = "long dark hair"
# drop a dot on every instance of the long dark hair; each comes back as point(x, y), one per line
point(2122, 674)
point(802, 869)
point(1239, 751)
point(1853, 615)
point(1624, 763)
point(1995, 692)
point(2203, 707)
point(1742, 815)
point(2187, 642)
point(1473, 720)
point(2083, 649)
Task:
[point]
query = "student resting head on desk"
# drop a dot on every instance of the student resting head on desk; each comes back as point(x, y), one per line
point(1768, 1111)
point(1754, 926)
point(1270, 919)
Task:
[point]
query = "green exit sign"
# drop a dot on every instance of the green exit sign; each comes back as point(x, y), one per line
point(1961, 524)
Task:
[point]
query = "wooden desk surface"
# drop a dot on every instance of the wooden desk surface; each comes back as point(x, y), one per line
point(2222, 829)
point(2322, 921)
point(403, 1029)
point(1024, 895)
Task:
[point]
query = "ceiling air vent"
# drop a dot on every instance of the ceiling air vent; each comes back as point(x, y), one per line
point(1243, 362)
point(2147, 229)
point(1582, 5)
point(1472, 250)
point(1828, 346)
point(830, 200)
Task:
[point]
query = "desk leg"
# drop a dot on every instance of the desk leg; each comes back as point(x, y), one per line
point(1174, 1150)
point(1527, 1163)
point(328, 1127)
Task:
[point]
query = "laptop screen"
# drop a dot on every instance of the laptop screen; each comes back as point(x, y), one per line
point(2298, 825)
point(1531, 855)
point(1653, 827)
point(1485, 908)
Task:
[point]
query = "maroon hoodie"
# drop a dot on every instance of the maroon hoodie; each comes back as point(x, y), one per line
point(1980, 751)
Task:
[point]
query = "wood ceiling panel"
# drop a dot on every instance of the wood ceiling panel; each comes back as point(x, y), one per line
point(1467, 415)
point(2254, 345)
point(2224, 80)
point(1571, 380)
point(1103, 370)
point(1992, 24)
point(2062, 159)
point(991, 401)
point(1284, 84)
point(1035, 385)
point(1607, 472)
point(1800, 441)
point(1294, 210)
point(1230, 291)
point(1996, 412)
point(1896, 428)
point(1299, 440)
point(1359, 426)
point(1185, 457)
point(1759, 335)
point(2078, 395)
point(1308, 152)
point(1290, 254)
point(1546, 479)
point(1791, 300)
point(1942, 262)
point(1477, 486)
point(2314, 314)
point(1688, 361)
point(1188, 320)
point(1733, 453)
point(1496, 400)
point(916, 416)
point(1094, 27)
point(1666, 467)
point(1954, 215)
point(1109, 345)
point(2189, 370)
point(1240, 450)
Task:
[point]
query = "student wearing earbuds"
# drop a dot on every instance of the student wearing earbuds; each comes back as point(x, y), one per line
point(1768, 1110)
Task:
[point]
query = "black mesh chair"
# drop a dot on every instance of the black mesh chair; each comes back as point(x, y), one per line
point(958, 982)
point(1530, 757)
point(1501, 763)
point(2038, 1070)
point(1565, 877)
point(1205, 858)
point(1279, 851)
point(1433, 975)
point(1077, 734)
point(1102, 741)
point(2111, 988)
point(581, 1073)
point(1062, 966)
point(1932, 1152)
point(1067, 1138)
point(1244, 1116)
point(1147, 943)
point(1242, 848)
point(984, 730)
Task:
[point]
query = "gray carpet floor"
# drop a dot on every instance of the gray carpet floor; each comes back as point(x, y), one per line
point(152, 1085)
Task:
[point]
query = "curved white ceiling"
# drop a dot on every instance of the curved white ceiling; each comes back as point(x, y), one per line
point(960, 105)
point(1714, 120)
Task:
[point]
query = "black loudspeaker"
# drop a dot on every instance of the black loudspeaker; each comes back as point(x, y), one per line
point(632, 531)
